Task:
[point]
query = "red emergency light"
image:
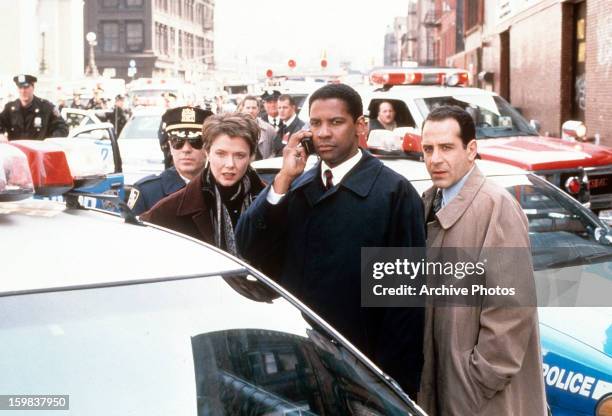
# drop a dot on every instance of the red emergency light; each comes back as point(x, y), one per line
point(422, 76)
point(291, 63)
point(323, 63)
point(48, 166)
point(269, 73)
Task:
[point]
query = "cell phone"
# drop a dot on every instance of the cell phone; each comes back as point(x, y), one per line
point(307, 142)
point(308, 145)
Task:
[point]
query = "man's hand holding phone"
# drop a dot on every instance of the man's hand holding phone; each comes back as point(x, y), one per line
point(294, 161)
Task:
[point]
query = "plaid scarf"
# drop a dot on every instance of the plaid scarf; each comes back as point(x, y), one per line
point(221, 220)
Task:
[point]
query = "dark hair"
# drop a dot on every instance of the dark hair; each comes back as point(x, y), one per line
point(467, 129)
point(341, 92)
point(245, 99)
point(232, 124)
point(287, 97)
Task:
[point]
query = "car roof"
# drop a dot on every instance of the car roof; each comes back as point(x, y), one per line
point(47, 246)
point(411, 169)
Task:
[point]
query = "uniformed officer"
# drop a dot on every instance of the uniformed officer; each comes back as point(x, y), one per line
point(30, 117)
point(183, 125)
point(270, 114)
point(117, 115)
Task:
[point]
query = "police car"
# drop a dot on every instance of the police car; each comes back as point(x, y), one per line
point(582, 169)
point(161, 324)
point(572, 256)
point(139, 144)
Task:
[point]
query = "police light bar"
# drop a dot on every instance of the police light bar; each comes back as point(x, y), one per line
point(420, 76)
point(48, 166)
point(15, 178)
point(84, 159)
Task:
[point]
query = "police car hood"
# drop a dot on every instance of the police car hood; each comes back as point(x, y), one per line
point(590, 326)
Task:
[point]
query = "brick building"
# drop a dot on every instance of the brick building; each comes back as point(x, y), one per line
point(163, 37)
point(552, 59)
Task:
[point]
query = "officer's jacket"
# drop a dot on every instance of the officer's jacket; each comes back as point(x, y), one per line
point(37, 121)
point(148, 191)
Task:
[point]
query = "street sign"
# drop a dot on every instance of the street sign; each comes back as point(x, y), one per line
point(132, 63)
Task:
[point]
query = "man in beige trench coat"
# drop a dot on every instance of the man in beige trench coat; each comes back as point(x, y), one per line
point(485, 359)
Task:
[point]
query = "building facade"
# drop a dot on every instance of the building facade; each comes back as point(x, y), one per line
point(46, 40)
point(171, 38)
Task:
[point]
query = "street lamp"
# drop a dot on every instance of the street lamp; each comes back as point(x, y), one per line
point(42, 68)
point(92, 69)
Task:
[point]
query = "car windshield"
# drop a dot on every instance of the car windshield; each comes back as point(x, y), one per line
point(141, 127)
point(493, 116)
point(562, 232)
point(184, 347)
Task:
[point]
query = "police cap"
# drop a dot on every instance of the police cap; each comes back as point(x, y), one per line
point(270, 95)
point(24, 80)
point(189, 118)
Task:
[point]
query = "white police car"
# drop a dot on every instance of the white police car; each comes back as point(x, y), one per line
point(118, 317)
point(572, 256)
point(139, 144)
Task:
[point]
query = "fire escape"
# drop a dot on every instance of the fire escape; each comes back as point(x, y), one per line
point(431, 22)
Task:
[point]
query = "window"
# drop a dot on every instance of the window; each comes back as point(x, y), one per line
point(110, 36)
point(133, 3)
point(110, 3)
point(473, 13)
point(134, 36)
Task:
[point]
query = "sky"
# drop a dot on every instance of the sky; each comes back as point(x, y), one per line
point(267, 33)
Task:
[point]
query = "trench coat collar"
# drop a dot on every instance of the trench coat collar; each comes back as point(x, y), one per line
point(359, 180)
point(450, 214)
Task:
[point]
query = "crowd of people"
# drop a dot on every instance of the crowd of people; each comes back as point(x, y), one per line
point(306, 230)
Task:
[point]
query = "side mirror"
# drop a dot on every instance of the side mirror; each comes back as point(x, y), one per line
point(535, 124)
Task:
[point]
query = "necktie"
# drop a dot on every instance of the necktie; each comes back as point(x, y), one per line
point(437, 202)
point(328, 179)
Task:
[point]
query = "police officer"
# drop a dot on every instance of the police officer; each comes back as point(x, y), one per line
point(183, 126)
point(31, 117)
point(117, 115)
point(270, 114)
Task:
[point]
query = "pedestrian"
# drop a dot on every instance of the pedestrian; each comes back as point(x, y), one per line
point(183, 126)
point(270, 114)
point(117, 116)
point(290, 123)
point(30, 117)
point(485, 359)
point(250, 106)
point(76, 101)
point(209, 206)
point(306, 231)
point(385, 119)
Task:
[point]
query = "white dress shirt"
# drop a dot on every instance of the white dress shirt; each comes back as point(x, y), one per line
point(338, 173)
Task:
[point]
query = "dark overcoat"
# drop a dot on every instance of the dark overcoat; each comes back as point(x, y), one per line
point(311, 244)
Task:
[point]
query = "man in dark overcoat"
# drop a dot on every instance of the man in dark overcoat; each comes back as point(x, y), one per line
point(306, 230)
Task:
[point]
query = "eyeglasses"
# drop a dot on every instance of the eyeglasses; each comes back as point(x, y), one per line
point(178, 143)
